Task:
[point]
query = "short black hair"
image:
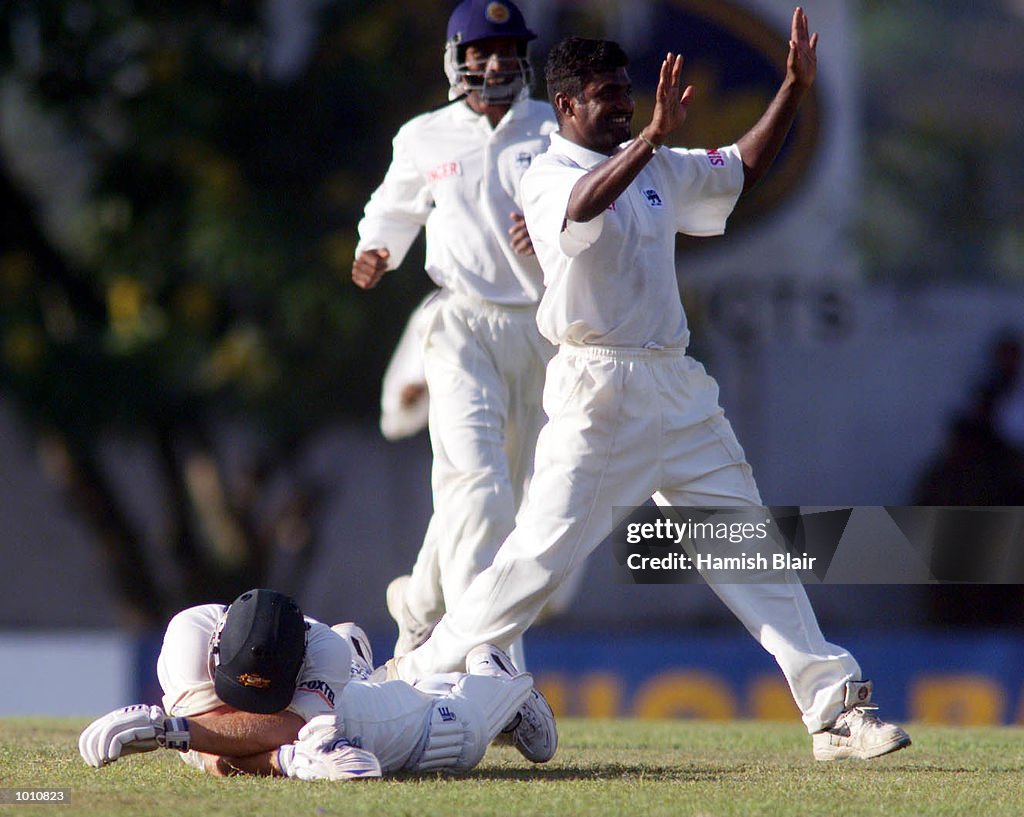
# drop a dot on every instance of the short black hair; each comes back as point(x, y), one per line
point(574, 61)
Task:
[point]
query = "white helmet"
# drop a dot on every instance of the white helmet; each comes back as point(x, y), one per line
point(475, 20)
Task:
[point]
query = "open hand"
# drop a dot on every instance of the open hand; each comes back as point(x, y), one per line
point(670, 107)
point(802, 63)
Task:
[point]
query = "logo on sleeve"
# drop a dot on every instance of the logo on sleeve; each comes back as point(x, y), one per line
point(444, 170)
point(715, 158)
point(523, 159)
point(653, 199)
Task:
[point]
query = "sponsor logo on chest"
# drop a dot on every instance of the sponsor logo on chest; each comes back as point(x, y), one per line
point(319, 687)
point(445, 170)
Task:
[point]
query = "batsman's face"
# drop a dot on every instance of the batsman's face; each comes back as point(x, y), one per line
point(494, 61)
point(600, 118)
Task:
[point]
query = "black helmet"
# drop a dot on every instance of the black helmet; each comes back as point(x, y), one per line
point(259, 651)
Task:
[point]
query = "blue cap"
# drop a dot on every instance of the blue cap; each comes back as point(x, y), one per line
point(475, 20)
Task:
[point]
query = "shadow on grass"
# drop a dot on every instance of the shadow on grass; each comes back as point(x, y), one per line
point(604, 771)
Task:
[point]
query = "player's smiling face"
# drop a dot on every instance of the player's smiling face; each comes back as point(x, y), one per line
point(492, 62)
point(600, 118)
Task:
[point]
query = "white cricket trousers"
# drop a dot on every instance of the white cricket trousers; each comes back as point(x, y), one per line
point(484, 365)
point(625, 425)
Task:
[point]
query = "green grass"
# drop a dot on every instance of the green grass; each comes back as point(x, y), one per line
point(635, 768)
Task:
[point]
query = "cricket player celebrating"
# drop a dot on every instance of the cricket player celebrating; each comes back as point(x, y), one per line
point(242, 683)
point(630, 414)
point(456, 171)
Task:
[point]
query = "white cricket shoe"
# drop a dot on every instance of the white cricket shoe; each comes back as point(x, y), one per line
point(532, 731)
point(411, 632)
point(858, 732)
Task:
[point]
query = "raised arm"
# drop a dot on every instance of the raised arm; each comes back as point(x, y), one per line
point(762, 143)
point(593, 193)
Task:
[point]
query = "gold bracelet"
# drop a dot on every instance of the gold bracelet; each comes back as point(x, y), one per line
point(654, 148)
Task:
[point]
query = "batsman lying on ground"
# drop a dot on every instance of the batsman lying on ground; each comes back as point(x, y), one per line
point(257, 688)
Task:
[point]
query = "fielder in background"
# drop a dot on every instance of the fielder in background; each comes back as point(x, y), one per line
point(456, 171)
point(631, 414)
point(257, 688)
point(403, 389)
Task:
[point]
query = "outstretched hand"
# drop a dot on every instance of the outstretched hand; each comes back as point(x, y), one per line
point(670, 107)
point(802, 63)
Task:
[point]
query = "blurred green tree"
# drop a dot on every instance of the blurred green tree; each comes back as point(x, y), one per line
point(177, 233)
point(943, 95)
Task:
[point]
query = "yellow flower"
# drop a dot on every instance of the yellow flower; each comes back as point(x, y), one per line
point(126, 298)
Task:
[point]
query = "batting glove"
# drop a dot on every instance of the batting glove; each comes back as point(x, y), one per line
point(129, 730)
point(320, 730)
point(335, 760)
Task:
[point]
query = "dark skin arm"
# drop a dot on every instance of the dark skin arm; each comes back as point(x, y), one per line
point(369, 267)
point(593, 193)
point(762, 143)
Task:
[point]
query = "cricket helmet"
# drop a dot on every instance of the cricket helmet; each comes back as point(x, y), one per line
point(258, 652)
point(475, 20)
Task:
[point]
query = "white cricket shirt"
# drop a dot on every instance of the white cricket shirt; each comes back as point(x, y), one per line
point(185, 666)
point(612, 281)
point(454, 173)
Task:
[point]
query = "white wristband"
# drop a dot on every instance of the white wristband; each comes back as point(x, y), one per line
point(285, 756)
point(654, 148)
